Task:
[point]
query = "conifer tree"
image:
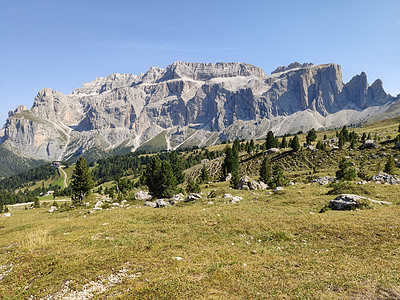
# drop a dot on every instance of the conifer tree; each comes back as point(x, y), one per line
point(390, 166)
point(168, 181)
point(265, 171)
point(271, 141)
point(295, 145)
point(36, 203)
point(252, 146)
point(320, 145)
point(277, 179)
point(284, 143)
point(364, 137)
point(1, 203)
point(204, 174)
point(311, 136)
point(192, 187)
point(231, 165)
point(345, 172)
point(82, 181)
point(341, 141)
point(177, 166)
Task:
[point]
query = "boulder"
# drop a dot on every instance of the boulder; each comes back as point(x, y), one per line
point(349, 201)
point(369, 144)
point(228, 177)
point(273, 150)
point(161, 203)
point(385, 178)
point(52, 209)
point(142, 196)
point(278, 189)
point(192, 197)
point(98, 205)
point(246, 183)
point(232, 199)
point(324, 180)
point(150, 204)
point(5, 215)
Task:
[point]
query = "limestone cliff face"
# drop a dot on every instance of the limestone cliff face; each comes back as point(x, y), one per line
point(192, 103)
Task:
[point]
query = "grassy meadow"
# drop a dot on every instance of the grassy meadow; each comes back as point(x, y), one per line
point(273, 246)
point(267, 246)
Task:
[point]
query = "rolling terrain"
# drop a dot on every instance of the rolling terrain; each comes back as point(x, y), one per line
point(267, 245)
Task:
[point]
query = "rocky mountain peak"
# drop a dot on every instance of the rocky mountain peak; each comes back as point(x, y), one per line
point(294, 65)
point(189, 104)
point(19, 109)
point(207, 71)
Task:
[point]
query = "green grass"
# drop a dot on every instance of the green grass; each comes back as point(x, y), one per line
point(267, 246)
point(158, 143)
point(334, 255)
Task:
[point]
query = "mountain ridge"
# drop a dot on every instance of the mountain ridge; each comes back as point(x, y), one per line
point(191, 104)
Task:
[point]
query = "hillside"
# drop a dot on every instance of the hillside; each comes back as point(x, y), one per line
point(213, 247)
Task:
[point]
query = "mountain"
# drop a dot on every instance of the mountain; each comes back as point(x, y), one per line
point(189, 104)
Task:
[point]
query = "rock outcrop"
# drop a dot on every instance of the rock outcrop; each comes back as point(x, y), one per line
point(189, 104)
point(349, 202)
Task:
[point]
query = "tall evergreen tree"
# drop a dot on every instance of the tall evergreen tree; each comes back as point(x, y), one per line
point(252, 146)
point(168, 181)
point(271, 141)
point(311, 136)
point(277, 179)
point(265, 171)
point(177, 166)
point(82, 181)
point(284, 143)
point(236, 147)
point(390, 166)
point(295, 145)
point(364, 137)
point(231, 165)
point(341, 141)
point(1, 203)
point(204, 174)
point(345, 172)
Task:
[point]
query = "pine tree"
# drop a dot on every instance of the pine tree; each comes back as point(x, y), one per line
point(277, 179)
point(36, 203)
point(265, 171)
point(177, 166)
point(295, 145)
point(204, 174)
point(271, 141)
point(231, 165)
point(325, 137)
point(192, 187)
point(345, 172)
point(320, 145)
point(341, 141)
point(82, 181)
point(284, 143)
point(252, 146)
point(1, 203)
point(168, 180)
point(236, 147)
point(311, 136)
point(390, 166)
point(364, 137)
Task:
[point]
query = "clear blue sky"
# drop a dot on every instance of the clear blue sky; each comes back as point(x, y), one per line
point(62, 44)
